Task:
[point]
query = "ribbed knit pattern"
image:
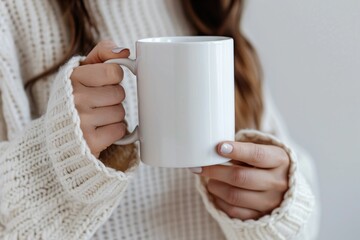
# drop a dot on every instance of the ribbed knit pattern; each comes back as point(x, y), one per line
point(52, 187)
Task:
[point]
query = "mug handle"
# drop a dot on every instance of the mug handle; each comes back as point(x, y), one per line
point(131, 65)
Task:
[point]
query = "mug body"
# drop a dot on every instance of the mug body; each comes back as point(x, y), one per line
point(186, 99)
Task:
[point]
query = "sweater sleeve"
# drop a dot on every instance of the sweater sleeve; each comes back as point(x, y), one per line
point(51, 186)
point(297, 216)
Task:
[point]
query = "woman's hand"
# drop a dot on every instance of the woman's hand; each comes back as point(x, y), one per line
point(255, 185)
point(98, 96)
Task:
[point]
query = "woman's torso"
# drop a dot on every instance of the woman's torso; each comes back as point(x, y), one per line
point(159, 203)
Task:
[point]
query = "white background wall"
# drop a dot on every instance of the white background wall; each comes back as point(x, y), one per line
point(310, 50)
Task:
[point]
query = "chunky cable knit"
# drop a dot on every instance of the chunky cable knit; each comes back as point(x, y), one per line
point(52, 187)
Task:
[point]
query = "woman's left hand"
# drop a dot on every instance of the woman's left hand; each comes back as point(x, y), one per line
point(255, 185)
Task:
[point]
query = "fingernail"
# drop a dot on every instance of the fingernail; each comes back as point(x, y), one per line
point(196, 169)
point(226, 148)
point(118, 49)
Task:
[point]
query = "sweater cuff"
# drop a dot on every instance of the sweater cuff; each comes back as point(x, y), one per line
point(284, 222)
point(81, 174)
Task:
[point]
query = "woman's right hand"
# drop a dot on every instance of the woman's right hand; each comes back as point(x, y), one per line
point(98, 96)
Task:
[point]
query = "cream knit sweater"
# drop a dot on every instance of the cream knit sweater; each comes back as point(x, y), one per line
point(52, 187)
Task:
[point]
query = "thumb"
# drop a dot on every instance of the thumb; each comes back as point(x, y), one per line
point(104, 51)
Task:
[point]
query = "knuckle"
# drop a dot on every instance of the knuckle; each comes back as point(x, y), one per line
point(283, 157)
point(239, 177)
point(76, 95)
point(121, 130)
point(119, 93)
point(91, 141)
point(73, 74)
point(113, 72)
point(122, 91)
point(122, 112)
point(78, 99)
point(280, 185)
point(78, 107)
point(85, 122)
point(119, 112)
point(269, 204)
point(258, 153)
point(210, 186)
point(233, 196)
point(83, 128)
point(78, 76)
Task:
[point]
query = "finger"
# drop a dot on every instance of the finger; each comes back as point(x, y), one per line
point(259, 201)
point(105, 50)
point(237, 212)
point(107, 135)
point(103, 116)
point(93, 97)
point(258, 155)
point(97, 75)
point(243, 177)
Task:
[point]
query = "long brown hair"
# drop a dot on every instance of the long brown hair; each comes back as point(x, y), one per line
point(215, 17)
point(82, 30)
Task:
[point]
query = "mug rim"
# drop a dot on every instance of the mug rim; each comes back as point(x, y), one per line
point(184, 39)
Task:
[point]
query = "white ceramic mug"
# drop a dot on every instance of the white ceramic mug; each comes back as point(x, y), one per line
point(185, 98)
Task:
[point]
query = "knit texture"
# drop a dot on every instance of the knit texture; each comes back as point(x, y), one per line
point(52, 187)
